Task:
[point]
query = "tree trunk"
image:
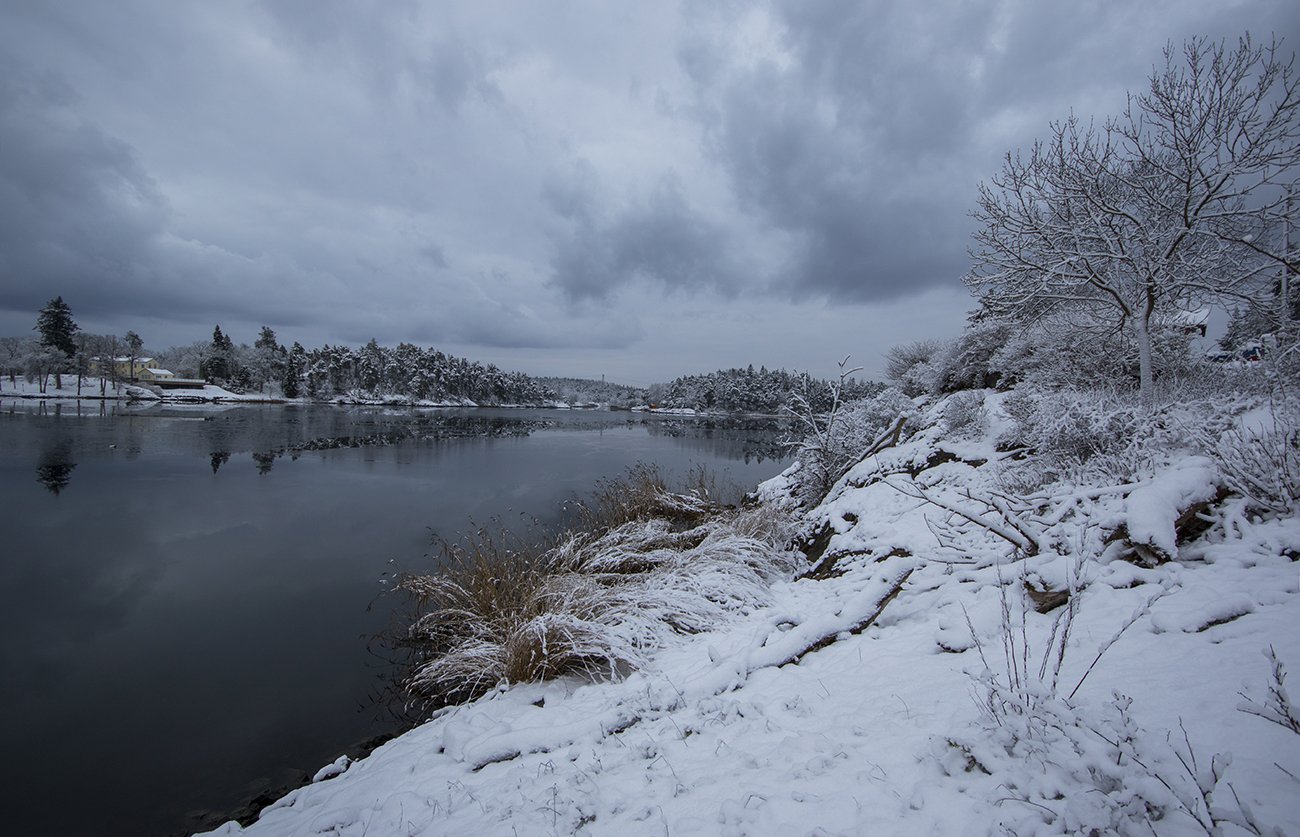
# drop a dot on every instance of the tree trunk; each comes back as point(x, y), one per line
point(1142, 333)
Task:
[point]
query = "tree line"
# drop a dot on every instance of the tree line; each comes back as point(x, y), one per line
point(749, 391)
point(404, 373)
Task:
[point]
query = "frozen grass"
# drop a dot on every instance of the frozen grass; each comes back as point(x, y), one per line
point(648, 565)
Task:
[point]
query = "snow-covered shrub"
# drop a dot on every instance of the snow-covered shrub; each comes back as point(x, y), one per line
point(964, 414)
point(1263, 464)
point(1211, 382)
point(1050, 359)
point(1284, 364)
point(965, 362)
point(1071, 429)
point(912, 366)
point(1276, 706)
point(835, 442)
point(595, 603)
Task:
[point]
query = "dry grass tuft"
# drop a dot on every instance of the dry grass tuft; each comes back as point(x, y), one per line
point(643, 493)
point(595, 601)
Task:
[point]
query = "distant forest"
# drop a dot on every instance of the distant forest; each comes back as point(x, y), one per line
point(749, 391)
point(403, 374)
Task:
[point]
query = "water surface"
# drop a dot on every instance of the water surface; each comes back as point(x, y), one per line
point(187, 592)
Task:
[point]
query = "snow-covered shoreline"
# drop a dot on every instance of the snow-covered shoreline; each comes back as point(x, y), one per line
point(874, 697)
point(90, 391)
point(212, 394)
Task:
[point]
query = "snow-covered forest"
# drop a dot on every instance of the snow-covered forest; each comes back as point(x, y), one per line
point(405, 373)
point(750, 391)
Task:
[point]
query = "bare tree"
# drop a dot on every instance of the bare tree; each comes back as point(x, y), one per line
point(82, 358)
point(12, 352)
point(1170, 206)
point(106, 348)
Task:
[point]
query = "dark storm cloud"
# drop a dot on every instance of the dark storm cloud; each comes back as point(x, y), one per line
point(343, 170)
point(77, 209)
point(864, 134)
point(860, 143)
point(864, 225)
point(82, 218)
point(659, 239)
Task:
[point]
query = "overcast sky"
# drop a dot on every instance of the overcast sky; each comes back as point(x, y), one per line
point(634, 189)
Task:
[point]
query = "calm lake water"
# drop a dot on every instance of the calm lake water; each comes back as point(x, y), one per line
point(186, 594)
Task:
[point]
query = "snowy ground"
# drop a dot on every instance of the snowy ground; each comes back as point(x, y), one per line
point(90, 389)
point(906, 691)
point(21, 388)
point(213, 393)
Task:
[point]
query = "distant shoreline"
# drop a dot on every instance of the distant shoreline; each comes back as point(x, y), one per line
point(223, 396)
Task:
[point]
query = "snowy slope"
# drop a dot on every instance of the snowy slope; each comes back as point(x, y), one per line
point(882, 698)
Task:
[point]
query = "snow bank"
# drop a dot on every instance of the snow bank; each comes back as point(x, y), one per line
point(1152, 510)
point(914, 690)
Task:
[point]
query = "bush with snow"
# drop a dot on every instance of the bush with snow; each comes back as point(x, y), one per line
point(837, 441)
point(912, 366)
point(967, 362)
point(1046, 358)
point(1263, 463)
point(965, 414)
point(1073, 431)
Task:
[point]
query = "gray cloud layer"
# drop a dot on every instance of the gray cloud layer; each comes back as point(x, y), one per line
point(506, 176)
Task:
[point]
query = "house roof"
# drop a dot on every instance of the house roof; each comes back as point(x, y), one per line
point(156, 371)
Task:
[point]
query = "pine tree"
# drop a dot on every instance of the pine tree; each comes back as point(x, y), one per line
point(292, 371)
point(266, 339)
point(57, 327)
point(216, 366)
point(268, 359)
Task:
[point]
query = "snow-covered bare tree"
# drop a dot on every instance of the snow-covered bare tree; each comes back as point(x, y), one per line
point(1173, 205)
point(12, 352)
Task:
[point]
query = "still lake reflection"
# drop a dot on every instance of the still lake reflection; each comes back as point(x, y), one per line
point(186, 591)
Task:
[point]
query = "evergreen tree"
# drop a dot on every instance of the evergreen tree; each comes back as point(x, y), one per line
point(268, 359)
point(266, 339)
point(291, 372)
point(57, 327)
point(217, 365)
